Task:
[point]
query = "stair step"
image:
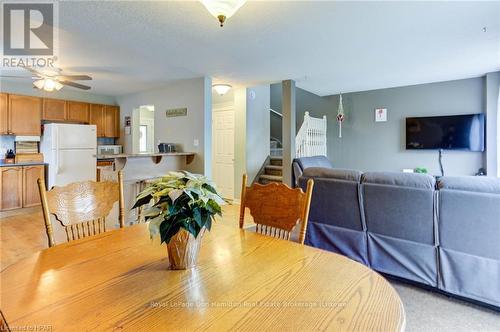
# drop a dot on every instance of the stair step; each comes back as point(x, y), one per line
point(264, 179)
point(274, 170)
point(276, 161)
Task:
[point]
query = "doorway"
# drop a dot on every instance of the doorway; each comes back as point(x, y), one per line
point(144, 129)
point(223, 124)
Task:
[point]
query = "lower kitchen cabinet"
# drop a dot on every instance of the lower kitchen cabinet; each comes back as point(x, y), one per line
point(19, 187)
point(11, 188)
point(31, 174)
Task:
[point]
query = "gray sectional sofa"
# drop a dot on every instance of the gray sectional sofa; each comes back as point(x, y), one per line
point(444, 234)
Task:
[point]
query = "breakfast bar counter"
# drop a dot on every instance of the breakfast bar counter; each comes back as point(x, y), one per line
point(145, 154)
point(137, 168)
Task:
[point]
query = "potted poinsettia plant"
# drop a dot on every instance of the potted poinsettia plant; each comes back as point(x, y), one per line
point(184, 206)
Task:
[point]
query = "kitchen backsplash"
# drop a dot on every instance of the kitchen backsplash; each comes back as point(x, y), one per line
point(6, 143)
point(105, 141)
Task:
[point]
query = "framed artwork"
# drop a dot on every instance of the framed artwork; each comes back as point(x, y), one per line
point(381, 115)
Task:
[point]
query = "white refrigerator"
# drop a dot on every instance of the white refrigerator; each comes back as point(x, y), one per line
point(70, 151)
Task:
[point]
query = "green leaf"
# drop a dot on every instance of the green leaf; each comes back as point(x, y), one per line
point(142, 201)
point(168, 229)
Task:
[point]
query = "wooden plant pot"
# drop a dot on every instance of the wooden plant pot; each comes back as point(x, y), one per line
point(183, 250)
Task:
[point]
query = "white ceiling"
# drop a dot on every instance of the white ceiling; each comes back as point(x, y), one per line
point(327, 47)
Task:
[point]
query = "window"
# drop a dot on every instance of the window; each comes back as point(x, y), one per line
point(143, 138)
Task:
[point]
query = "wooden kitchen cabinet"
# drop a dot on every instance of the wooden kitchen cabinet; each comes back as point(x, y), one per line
point(54, 109)
point(97, 118)
point(78, 112)
point(24, 115)
point(31, 174)
point(11, 188)
point(111, 121)
point(4, 130)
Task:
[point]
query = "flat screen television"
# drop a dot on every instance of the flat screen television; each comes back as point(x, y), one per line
point(456, 132)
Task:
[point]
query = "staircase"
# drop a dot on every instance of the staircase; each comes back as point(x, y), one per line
point(273, 171)
point(310, 141)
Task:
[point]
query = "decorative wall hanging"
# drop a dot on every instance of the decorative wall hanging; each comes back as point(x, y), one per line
point(381, 115)
point(340, 116)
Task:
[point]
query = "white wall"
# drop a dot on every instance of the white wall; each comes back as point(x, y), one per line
point(195, 94)
point(240, 130)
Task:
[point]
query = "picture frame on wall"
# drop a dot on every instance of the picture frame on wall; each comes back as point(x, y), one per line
point(381, 115)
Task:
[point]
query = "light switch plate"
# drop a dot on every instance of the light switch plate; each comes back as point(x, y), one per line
point(196, 142)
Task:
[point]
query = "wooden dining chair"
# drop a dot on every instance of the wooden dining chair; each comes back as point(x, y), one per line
point(3, 323)
point(81, 207)
point(276, 208)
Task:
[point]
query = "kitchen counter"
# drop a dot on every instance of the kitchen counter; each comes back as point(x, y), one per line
point(24, 163)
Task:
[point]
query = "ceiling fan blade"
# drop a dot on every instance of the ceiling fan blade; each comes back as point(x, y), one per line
point(15, 76)
point(75, 85)
point(74, 77)
point(36, 72)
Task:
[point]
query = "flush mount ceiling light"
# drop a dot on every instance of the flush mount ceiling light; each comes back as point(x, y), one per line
point(47, 84)
point(221, 89)
point(222, 9)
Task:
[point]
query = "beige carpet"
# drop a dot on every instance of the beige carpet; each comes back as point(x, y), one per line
point(429, 311)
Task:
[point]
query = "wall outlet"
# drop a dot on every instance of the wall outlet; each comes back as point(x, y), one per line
point(196, 142)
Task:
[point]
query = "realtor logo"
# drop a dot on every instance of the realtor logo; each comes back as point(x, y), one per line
point(28, 29)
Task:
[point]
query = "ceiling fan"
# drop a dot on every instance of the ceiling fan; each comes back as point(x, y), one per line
point(54, 80)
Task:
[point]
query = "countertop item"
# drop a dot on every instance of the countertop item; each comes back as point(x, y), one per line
point(240, 278)
point(27, 163)
point(139, 155)
point(166, 147)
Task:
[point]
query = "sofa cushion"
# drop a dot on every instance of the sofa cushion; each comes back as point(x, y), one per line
point(300, 164)
point(316, 161)
point(480, 184)
point(414, 180)
point(333, 173)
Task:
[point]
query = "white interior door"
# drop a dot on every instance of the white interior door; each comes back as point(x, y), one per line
point(223, 151)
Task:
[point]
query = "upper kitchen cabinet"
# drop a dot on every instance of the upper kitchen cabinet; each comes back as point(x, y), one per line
point(4, 130)
point(78, 112)
point(54, 109)
point(97, 118)
point(111, 121)
point(24, 115)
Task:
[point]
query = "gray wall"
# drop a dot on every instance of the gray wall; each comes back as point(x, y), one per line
point(370, 146)
point(257, 129)
point(196, 95)
point(492, 81)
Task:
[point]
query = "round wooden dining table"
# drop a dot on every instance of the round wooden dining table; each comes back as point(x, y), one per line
point(119, 280)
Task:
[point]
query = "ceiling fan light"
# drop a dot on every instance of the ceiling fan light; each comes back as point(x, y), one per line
point(222, 89)
point(39, 84)
point(49, 85)
point(222, 9)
